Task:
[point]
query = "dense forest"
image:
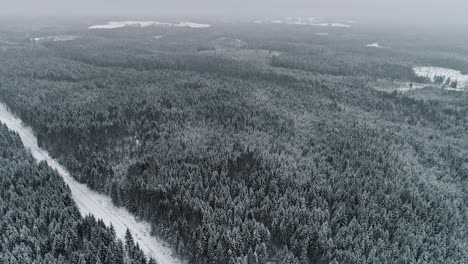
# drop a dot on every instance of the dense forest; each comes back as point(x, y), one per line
point(39, 221)
point(279, 151)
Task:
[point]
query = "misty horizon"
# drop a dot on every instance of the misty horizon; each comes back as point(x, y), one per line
point(416, 12)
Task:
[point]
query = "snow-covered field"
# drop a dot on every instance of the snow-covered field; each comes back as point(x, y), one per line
point(374, 45)
point(191, 25)
point(55, 38)
point(406, 87)
point(311, 21)
point(121, 24)
point(288, 20)
point(433, 72)
point(90, 202)
point(332, 25)
point(390, 86)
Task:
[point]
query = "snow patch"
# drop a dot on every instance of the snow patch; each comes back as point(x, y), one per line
point(120, 24)
point(443, 76)
point(275, 53)
point(90, 202)
point(409, 87)
point(322, 34)
point(141, 24)
point(191, 25)
point(55, 38)
point(310, 21)
point(332, 25)
point(157, 37)
point(374, 45)
point(390, 86)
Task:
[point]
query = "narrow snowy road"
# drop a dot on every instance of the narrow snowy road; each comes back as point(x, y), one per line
point(90, 202)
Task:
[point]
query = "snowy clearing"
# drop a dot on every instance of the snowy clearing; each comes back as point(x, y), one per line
point(191, 25)
point(310, 21)
point(374, 45)
point(55, 38)
point(90, 202)
point(443, 76)
point(410, 87)
point(390, 86)
point(121, 24)
point(331, 25)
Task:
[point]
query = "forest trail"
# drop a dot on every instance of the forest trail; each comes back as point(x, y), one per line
point(90, 202)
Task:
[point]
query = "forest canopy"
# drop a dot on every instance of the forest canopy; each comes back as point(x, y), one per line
point(40, 223)
point(276, 150)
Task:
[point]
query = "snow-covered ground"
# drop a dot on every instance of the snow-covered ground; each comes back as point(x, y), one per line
point(332, 25)
point(90, 202)
point(288, 20)
point(121, 24)
point(311, 21)
point(191, 25)
point(390, 86)
point(407, 87)
point(55, 38)
point(454, 75)
point(374, 45)
point(158, 37)
point(322, 34)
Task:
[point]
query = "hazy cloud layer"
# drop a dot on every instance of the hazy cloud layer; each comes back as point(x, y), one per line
point(448, 11)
